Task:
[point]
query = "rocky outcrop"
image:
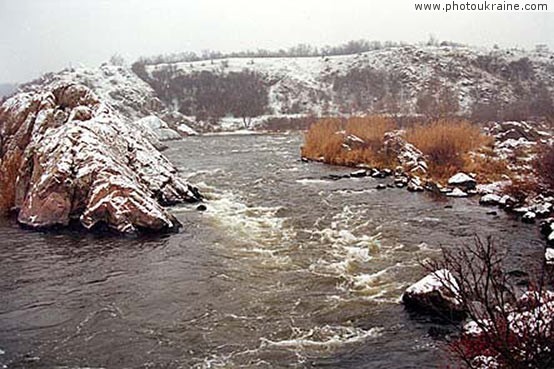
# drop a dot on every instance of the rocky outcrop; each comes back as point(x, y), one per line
point(436, 293)
point(68, 157)
point(158, 127)
point(409, 156)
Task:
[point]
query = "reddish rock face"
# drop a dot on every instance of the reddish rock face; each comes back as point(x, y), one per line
point(65, 156)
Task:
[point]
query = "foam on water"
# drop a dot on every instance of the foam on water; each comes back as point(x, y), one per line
point(366, 267)
point(311, 181)
point(325, 337)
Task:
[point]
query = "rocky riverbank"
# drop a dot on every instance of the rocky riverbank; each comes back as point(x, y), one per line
point(515, 144)
point(68, 157)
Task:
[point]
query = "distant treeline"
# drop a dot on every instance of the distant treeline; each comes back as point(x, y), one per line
point(300, 50)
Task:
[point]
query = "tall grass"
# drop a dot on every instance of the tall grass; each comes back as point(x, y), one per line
point(446, 145)
point(544, 166)
point(449, 146)
point(331, 141)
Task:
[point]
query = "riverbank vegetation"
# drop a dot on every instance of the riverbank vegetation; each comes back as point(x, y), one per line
point(509, 321)
point(448, 145)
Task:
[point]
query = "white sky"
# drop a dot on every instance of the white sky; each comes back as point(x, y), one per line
point(37, 36)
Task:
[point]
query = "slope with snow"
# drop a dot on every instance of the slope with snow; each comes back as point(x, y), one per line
point(121, 89)
point(307, 85)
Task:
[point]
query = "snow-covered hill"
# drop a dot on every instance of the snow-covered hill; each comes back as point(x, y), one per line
point(407, 79)
point(121, 89)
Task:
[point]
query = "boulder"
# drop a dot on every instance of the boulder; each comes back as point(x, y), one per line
point(158, 128)
point(547, 226)
point(376, 173)
point(456, 193)
point(411, 158)
point(69, 158)
point(387, 172)
point(435, 293)
point(489, 199)
point(415, 185)
point(549, 255)
point(507, 202)
point(529, 217)
point(542, 209)
point(463, 181)
point(401, 181)
point(381, 186)
point(358, 173)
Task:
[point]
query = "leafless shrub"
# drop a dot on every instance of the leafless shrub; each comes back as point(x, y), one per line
point(509, 328)
point(544, 166)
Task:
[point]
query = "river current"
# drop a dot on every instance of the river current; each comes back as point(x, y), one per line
point(284, 269)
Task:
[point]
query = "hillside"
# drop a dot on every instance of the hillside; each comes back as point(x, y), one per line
point(482, 83)
point(128, 95)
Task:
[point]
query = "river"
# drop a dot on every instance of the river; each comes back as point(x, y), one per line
point(284, 269)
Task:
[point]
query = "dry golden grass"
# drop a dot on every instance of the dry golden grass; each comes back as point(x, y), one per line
point(449, 146)
point(325, 140)
point(487, 168)
point(446, 145)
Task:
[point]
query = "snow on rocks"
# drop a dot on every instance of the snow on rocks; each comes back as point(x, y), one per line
point(507, 201)
point(410, 157)
point(437, 292)
point(415, 185)
point(457, 193)
point(526, 325)
point(549, 255)
point(529, 217)
point(68, 157)
point(358, 173)
point(158, 127)
point(463, 181)
point(489, 199)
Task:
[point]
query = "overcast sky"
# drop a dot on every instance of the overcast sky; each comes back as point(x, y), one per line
point(38, 36)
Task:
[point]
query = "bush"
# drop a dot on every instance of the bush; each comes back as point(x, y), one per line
point(544, 166)
point(447, 144)
point(509, 327)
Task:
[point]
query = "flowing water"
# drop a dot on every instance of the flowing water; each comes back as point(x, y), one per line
point(283, 270)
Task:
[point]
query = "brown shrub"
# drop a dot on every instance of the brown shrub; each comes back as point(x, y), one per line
point(487, 166)
point(544, 166)
point(446, 144)
point(520, 188)
point(449, 146)
point(323, 140)
point(327, 140)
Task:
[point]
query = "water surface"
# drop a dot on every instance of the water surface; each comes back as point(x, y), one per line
point(283, 270)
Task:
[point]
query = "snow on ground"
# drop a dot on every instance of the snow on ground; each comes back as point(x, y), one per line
point(307, 81)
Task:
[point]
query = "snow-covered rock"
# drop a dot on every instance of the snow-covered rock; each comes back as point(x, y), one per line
point(358, 173)
point(66, 156)
point(457, 193)
point(463, 181)
point(489, 199)
point(158, 127)
point(437, 292)
point(415, 185)
point(507, 201)
point(529, 217)
point(410, 157)
point(549, 255)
